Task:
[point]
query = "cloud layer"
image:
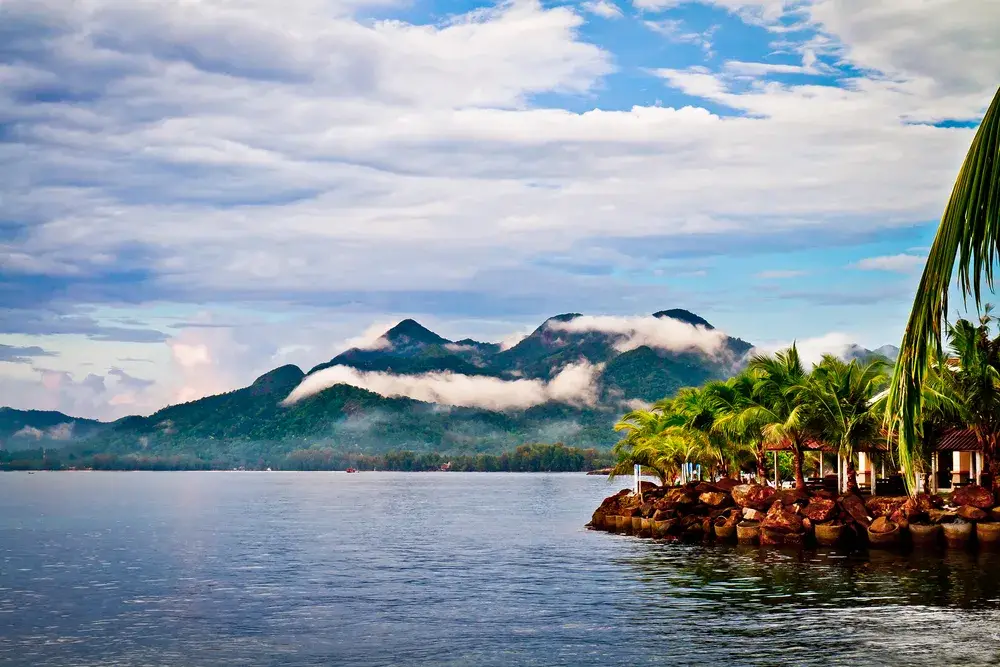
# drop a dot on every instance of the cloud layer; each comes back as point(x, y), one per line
point(331, 161)
point(662, 333)
point(576, 384)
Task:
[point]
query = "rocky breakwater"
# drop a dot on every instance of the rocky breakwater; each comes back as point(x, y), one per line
point(727, 510)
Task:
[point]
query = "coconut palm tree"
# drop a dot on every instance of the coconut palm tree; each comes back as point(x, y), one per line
point(738, 426)
point(779, 404)
point(966, 385)
point(969, 233)
point(844, 407)
point(641, 443)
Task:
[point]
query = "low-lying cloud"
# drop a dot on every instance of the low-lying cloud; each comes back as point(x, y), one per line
point(576, 384)
point(662, 333)
point(812, 350)
point(57, 432)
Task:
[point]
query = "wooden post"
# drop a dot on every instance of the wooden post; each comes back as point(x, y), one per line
point(979, 467)
point(776, 469)
point(821, 464)
point(840, 473)
point(934, 473)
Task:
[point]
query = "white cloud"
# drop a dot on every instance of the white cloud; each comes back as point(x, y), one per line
point(603, 8)
point(811, 350)
point(901, 263)
point(371, 338)
point(277, 152)
point(675, 31)
point(29, 432)
point(664, 333)
point(779, 274)
point(190, 356)
point(575, 384)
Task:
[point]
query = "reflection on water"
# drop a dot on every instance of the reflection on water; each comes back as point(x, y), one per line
point(442, 569)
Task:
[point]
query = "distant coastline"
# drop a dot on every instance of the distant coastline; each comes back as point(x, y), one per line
point(526, 458)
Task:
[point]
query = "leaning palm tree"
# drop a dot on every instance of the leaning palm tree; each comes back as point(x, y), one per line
point(845, 401)
point(969, 233)
point(642, 431)
point(654, 454)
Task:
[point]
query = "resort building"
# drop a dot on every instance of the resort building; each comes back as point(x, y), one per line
point(956, 460)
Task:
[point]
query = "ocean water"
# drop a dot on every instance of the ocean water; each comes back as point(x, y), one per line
point(441, 569)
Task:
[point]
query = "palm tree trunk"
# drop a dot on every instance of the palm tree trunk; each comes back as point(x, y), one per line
point(761, 469)
point(852, 476)
point(991, 480)
point(800, 480)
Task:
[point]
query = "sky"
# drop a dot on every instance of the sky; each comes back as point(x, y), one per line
point(193, 192)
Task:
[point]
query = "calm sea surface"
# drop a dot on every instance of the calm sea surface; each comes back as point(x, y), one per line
point(440, 569)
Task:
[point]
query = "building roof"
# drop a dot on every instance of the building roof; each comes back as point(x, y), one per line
point(957, 440)
point(813, 445)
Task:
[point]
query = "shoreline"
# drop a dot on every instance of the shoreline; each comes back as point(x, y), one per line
point(752, 514)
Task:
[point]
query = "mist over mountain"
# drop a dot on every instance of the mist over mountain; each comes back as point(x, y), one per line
point(567, 381)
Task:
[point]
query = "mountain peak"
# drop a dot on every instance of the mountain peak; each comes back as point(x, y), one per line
point(684, 316)
point(410, 331)
point(565, 317)
point(282, 378)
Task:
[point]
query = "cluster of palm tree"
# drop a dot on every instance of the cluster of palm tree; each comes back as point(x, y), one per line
point(726, 426)
point(961, 389)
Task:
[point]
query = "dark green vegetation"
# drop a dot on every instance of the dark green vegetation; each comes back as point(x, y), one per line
point(727, 426)
point(250, 425)
point(526, 458)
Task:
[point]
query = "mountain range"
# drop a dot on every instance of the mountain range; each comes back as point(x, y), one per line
point(566, 381)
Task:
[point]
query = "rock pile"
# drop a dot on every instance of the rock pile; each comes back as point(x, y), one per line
point(727, 510)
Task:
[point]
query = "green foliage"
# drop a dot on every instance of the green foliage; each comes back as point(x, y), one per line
point(726, 425)
point(969, 233)
point(526, 458)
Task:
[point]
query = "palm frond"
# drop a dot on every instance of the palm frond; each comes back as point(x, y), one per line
point(969, 233)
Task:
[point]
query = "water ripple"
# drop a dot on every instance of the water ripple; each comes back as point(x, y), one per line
point(441, 569)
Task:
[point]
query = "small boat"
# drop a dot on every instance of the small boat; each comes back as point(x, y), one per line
point(352, 470)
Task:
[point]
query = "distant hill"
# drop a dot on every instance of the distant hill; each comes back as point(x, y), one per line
point(252, 423)
point(24, 429)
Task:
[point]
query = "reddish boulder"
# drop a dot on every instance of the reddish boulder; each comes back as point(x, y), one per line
point(819, 509)
point(714, 498)
point(973, 495)
point(792, 496)
point(807, 525)
point(971, 513)
point(856, 509)
point(753, 495)
point(782, 520)
point(926, 502)
point(645, 485)
point(884, 505)
point(726, 484)
point(680, 496)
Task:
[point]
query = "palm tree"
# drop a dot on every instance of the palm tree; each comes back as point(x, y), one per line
point(970, 233)
point(735, 423)
point(694, 413)
point(778, 403)
point(967, 385)
point(642, 443)
point(845, 412)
